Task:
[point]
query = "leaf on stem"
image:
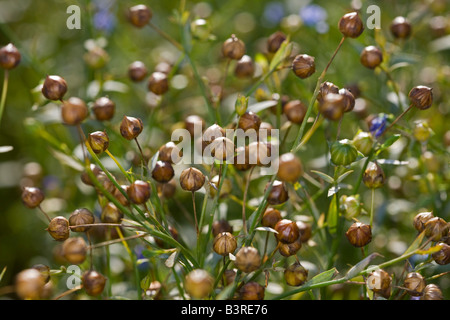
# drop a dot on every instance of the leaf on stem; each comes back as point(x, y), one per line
point(360, 266)
point(332, 217)
point(416, 243)
point(170, 262)
point(322, 277)
point(389, 142)
point(324, 176)
point(67, 160)
point(343, 176)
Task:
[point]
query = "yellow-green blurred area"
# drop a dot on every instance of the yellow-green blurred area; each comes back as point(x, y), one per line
point(94, 61)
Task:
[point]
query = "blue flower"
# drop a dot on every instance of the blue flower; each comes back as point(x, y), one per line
point(313, 15)
point(378, 125)
point(104, 19)
point(274, 12)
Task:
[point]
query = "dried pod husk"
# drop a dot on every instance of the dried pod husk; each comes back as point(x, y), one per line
point(351, 206)
point(220, 226)
point(326, 88)
point(371, 57)
point(137, 71)
point(436, 228)
point(224, 243)
point(120, 196)
point(432, 292)
point(28, 284)
point(363, 141)
point(351, 25)
point(252, 291)
point(32, 197)
point(303, 66)
point(290, 249)
point(421, 131)
point(93, 283)
point(379, 281)
point(242, 159)
point(295, 275)
point(158, 83)
point(163, 171)
point(275, 40)
point(270, 218)
point(222, 148)
point(415, 284)
point(98, 141)
point(359, 234)
point(343, 152)
point(233, 48)
point(54, 87)
point(420, 219)
point(192, 179)
point(9, 57)
point(349, 99)
point(421, 97)
point(295, 111)
point(198, 283)
point(245, 67)
point(192, 122)
point(278, 194)
point(74, 250)
point(104, 109)
point(373, 176)
point(139, 192)
point(305, 231)
point(139, 15)
point(214, 186)
point(170, 153)
point(58, 228)
point(44, 270)
point(111, 214)
point(74, 111)
point(85, 177)
point(400, 28)
point(249, 120)
point(442, 257)
point(248, 259)
point(332, 106)
point(287, 231)
point(81, 217)
point(131, 127)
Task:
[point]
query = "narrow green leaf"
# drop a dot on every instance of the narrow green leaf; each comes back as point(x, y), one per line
point(332, 217)
point(283, 52)
point(322, 277)
point(68, 160)
point(3, 273)
point(267, 229)
point(389, 142)
point(343, 176)
point(324, 176)
point(257, 107)
point(360, 266)
point(4, 149)
point(416, 244)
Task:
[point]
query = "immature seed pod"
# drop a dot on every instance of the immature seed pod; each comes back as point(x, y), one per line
point(192, 122)
point(332, 106)
point(249, 120)
point(81, 217)
point(85, 177)
point(290, 249)
point(442, 257)
point(363, 141)
point(436, 228)
point(9, 57)
point(303, 66)
point(270, 218)
point(274, 41)
point(379, 282)
point(54, 87)
point(351, 25)
point(224, 243)
point(158, 83)
point(371, 57)
point(170, 153)
point(242, 159)
point(98, 141)
point(32, 197)
point(198, 283)
point(58, 228)
point(295, 111)
point(326, 88)
point(421, 97)
point(245, 67)
point(120, 196)
point(139, 191)
point(432, 292)
point(104, 109)
point(44, 270)
point(400, 28)
point(191, 179)
point(421, 131)
point(420, 219)
point(111, 214)
point(359, 234)
point(137, 71)
point(163, 171)
point(29, 284)
point(74, 250)
point(74, 111)
point(224, 191)
point(233, 48)
point(278, 194)
point(248, 259)
point(415, 284)
point(131, 127)
point(252, 291)
point(343, 152)
point(349, 99)
point(373, 176)
point(201, 29)
point(351, 206)
point(295, 275)
point(305, 231)
point(140, 15)
point(93, 282)
point(287, 231)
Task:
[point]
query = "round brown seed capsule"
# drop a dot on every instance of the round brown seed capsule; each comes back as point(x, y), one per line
point(74, 111)
point(139, 15)
point(93, 283)
point(224, 243)
point(98, 141)
point(229, 275)
point(436, 228)
point(198, 283)
point(303, 66)
point(81, 217)
point(326, 88)
point(351, 25)
point(85, 177)
point(193, 121)
point(105, 182)
point(295, 275)
point(289, 249)
point(120, 196)
point(332, 107)
point(252, 291)
point(287, 231)
point(349, 99)
point(415, 284)
point(295, 111)
point(248, 259)
point(233, 48)
point(213, 132)
point(139, 191)
point(274, 41)
point(245, 67)
point(278, 194)
point(158, 83)
point(32, 197)
point(373, 176)
point(9, 57)
point(359, 234)
point(111, 214)
point(74, 250)
point(170, 153)
point(420, 219)
point(242, 159)
point(54, 87)
point(379, 281)
point(249, 120)
point(421, 97)
point(131, 127)
point(305, 231)
point(137, 71)
point(432, 292)
point(222, 148)
point(191, 179)
point(104, 109)
point(270, 218)
point(220, 226)
point(44, 270)
point(29, 284)
point(371, 57)
point(290, 168)
point(442, 257)
point(400, 28)
point(163, 171)
point(58, 228)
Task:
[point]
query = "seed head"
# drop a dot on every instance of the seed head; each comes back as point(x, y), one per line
point(163, 171)
point(400, 28)
point(343, 152)
point(436, 228)
point(442, 257)
point(288, 231)
point(54, 87)
point(158, 83)
point(192, 179)
point(98, 141)
point(59, 228)
point(351, 25)
point(295, 275)
point(252, 291)
point(359, 234)
point(305, 231)
point(233, 48)
point(415, 284)
point(295, 111)
point(81, 217)
point(29, 284)
point(278, 194)
point(74, 111)
point(74, 250)
point(421, 97)
point(137, 71)
point(139, 15)
point(326, 88)
point(104, 109)
point(224, 243)
point(131, 127)
point(111, 214)
point(432, 292)
point(139, 192)
point(420, 219)
point(245, 67)
point(270, 218)
point(289, 249)
point(303, 66)
point(220, 226)
point(274, 41)
point(333, 106)
point(249, 120)
point(371, 57)
point(93, 282)
point(349, 99)
point(170, 153)
point(248, 259)
point(32, 197)
point(198, 283)
point(9, 57)
point(373, 176)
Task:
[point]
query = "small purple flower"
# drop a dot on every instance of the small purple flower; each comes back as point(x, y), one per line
point(104, 19)
point(274, 12)
point(313, 15)
point(138, 251)
point(378, 124)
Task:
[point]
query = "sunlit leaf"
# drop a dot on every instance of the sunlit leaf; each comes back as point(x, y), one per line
point(257, 107)
point(170, 262)
point(3, 273)
point(360, 266)
point(416, 243)
point(430, 250)
point(393, 162)
point(344, 175)
point(67, 160)
point(322, 277)
point(267, 229)
point(332, 217)
point(324, 176)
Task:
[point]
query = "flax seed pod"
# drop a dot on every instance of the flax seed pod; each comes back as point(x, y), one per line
point(192, 179)
point(220, 226)
point(248, 259)
point(252, 291)
point(233, 48)
point(104, 109)
point(436, 228)
point(305, 231)
point(442, 257)
point(120, 196)
point(74, 250)
point(287, 231)
point(295, 111)
point(343, 152)
point(111, 214)
point(32, 197)
point(158, 83)
point(278, 194)
point(270, 218)
point(249, 120)
point(131, 127)
point(59, 229)
point(290, 249)
point(274, 41)
point(192, 122)
point(359, 234)
point(224, 243)
point(137, 71)
point(379, 281)
point(81, 217)
point(432, 292)
point(29, 284)
point(349, 99)
point(420, 219)
point(9, 57)
point(371, 57)
point(303, 66)
point(373, 176)
point(351, 25)
point(400, 28)
point(198, 283)
point(295, 275)
point(98, 141)
point(245, 67)
point(139, 15)
point(332, 106)
point(74, 111)
point(139, 191)
point(54, 87)
point(326, 88)
point(93, 283)
point(415, 284)
point(163, 171)
point(170, 152)
point(421, 97)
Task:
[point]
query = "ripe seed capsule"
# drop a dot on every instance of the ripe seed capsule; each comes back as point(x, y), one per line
point(54, 87)
point(170, 153)
point(305, 231)
point(278, 194)
point(289, 249)
point(432, 292)
point(163, 171)
point(32, 197)
point(93, 282)
point(248, 259)
point(221, 226)
point(373, 176)
point(249, 120)
point(371, 57)
point(270, 218)
point(303, 66)
point(359, 234)
point(436, 228)
point(158, 83)
point(421, 97)
point(332, 106)
point(111, 214)
point(295, 275)
point(288, 231)
point(233, 48)
point(104, 109)
point(420, 219)
point(192, 179)
point(131, 127)
point(139, 15)
point(415, 283)
point(9, 57)
point(198, 283)
point(193, 121)
point(224, 243)
point(442, 257)
point(74, 250)
point(379, 282)
point(252, 291)
point(29, 284)
point(98, 141)
point(58, 228)
point(120, 196)
point(400, 28)
point(351, 25)
point(139, 191)
point(81, 217)
point(326, 88)
point(245, 67)
point(349, 99)
point(137, 71)
point(44, 270)
point(274, 41)
point(295, 111)
point(74, 111)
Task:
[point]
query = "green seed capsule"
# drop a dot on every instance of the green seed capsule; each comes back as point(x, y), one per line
point(343, 152)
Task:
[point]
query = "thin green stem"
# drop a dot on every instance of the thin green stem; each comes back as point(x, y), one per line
point(372, 206)
point(4, 93)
